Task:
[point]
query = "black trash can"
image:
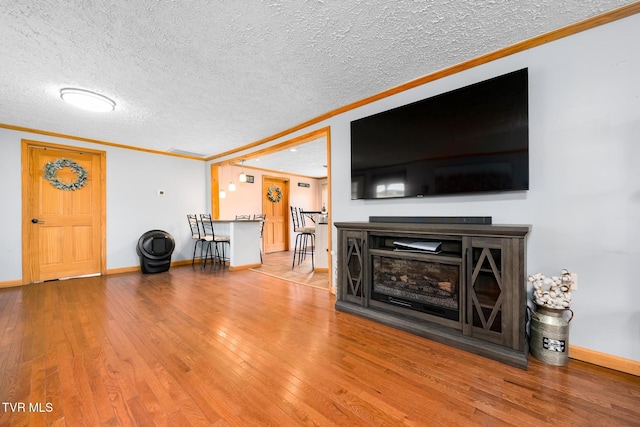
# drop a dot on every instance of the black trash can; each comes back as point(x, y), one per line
point(155, 248)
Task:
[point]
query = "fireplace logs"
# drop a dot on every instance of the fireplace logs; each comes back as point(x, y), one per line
point(424, 281)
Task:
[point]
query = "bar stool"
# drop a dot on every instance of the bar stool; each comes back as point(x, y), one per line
point(211, 238)
point(262, 218)
point(305, 242)
point(196, 234)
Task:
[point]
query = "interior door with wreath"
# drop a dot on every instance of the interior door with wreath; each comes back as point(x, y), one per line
point(63, 208)
point(275, 203)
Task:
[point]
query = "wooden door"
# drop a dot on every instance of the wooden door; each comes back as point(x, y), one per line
point(63, 212)
point(215, 192)
point(275, 236)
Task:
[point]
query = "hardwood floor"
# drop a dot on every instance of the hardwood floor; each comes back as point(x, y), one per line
point(193, 347)
point(278, 264)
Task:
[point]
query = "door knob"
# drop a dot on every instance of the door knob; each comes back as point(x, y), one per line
point(37, 221)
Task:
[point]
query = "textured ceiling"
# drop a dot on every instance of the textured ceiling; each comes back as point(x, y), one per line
point(206, 77)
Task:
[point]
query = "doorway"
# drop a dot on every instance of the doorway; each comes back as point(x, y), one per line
point(63, 212)
point(275, 204)
point(277, 158)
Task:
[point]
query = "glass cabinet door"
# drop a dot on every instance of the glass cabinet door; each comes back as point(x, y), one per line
point(352, 276)
point(486, 289)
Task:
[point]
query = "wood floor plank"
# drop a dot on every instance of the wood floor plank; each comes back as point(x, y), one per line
point(194, 347)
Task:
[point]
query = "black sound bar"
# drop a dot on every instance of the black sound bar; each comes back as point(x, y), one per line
point(433, 219)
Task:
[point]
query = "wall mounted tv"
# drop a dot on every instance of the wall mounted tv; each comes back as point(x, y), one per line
point(471, 140)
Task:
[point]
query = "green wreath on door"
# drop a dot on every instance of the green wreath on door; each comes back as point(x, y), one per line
point(274, 193)
point(51, 168)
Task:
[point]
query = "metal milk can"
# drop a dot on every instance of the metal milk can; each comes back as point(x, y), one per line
point(549, 340)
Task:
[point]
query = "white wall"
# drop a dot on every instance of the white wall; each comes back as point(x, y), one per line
point(10, 208)
point(584, 197)
point(133, 206)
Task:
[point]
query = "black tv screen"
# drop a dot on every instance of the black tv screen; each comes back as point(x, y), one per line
point(471, 140)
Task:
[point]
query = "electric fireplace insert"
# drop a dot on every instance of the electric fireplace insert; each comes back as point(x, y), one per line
point(420, 285)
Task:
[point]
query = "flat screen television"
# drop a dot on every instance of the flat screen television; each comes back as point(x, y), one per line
point(470, 140)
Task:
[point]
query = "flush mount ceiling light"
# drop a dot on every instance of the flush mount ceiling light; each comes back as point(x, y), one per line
point(87, 100)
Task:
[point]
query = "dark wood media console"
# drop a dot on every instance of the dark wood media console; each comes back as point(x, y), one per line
point(470, 294)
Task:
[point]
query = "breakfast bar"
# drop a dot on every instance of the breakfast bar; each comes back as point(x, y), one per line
point(244, 250)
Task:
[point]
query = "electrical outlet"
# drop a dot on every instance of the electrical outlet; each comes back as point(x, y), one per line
point(574, 285)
